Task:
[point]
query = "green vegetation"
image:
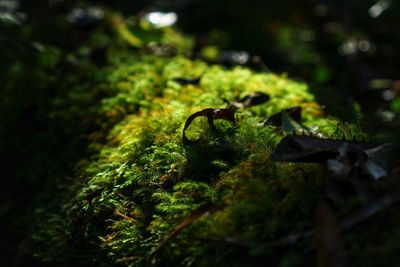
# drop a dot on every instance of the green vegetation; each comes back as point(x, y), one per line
point(120, 182)
point(141, 181)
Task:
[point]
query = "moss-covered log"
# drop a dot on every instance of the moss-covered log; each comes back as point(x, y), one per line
point(137, 195)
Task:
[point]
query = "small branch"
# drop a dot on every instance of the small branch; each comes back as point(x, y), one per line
point(118, 213)
point(347, 223)
point(369, 210)
point(204, 210)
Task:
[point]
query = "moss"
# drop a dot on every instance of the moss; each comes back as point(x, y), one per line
point(136, 181)
point(144, 181)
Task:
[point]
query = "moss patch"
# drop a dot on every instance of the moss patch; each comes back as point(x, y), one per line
point(133, 182)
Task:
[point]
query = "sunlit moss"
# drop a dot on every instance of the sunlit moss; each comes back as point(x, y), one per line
point(141, 181)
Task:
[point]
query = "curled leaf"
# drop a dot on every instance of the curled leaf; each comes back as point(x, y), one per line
point(277, 119)
point(254, 99)
point(227, 114)
point(383, 155)
point(374, 170)
point(373, 162)
point(300, 148)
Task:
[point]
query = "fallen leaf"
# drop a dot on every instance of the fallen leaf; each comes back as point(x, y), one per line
point(277, 119)
point(212, 114)
point(301, 148)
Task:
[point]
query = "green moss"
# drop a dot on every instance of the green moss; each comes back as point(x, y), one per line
point(144, 181)
point(135, 180)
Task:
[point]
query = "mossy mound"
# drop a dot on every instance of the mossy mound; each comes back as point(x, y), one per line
point(126, 199)
point(139, 196)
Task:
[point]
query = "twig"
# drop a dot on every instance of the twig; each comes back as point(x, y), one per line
point(117, 213)
point(347, 223)
point(369, 210)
